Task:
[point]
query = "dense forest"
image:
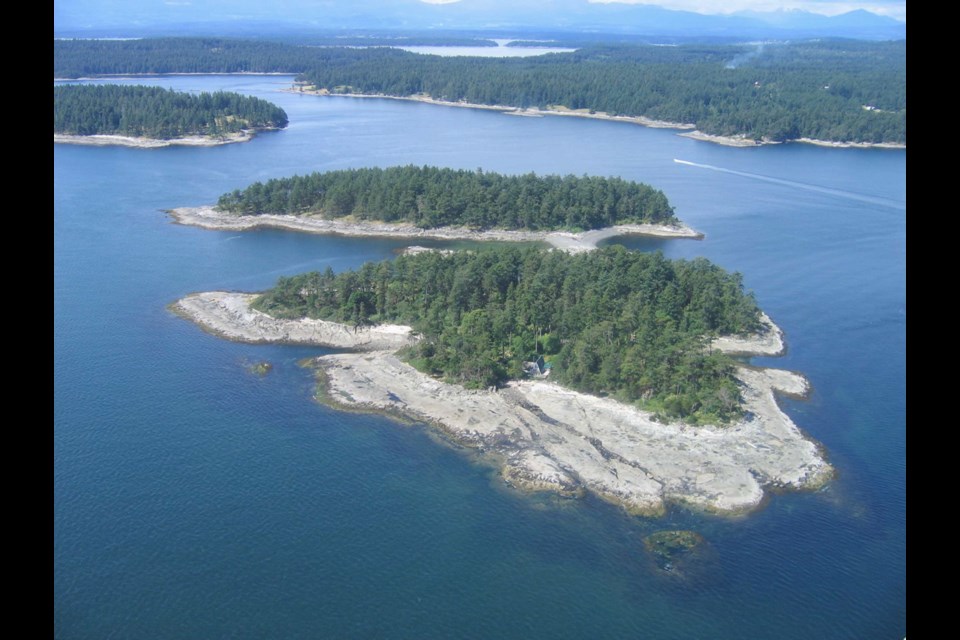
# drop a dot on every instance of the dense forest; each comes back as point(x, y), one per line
point(854, 92)
point(87, 58)
point(839, 90)
point(611, 322)
point(153, 112)
point(432, 197)
point(418, 40)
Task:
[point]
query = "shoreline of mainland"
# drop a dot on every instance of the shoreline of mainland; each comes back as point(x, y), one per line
point(104, 140)
point(208, 217)
point(688, 130)
point(546, 437)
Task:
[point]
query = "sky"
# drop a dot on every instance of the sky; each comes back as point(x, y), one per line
point(144, 11)
point(896, 9)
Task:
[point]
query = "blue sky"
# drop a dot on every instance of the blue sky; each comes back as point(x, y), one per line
point(892, 8)
point(92, 9)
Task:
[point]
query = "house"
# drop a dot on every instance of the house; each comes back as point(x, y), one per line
point(536, 368)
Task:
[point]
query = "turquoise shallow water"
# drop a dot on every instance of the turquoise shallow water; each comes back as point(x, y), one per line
point(193, 499)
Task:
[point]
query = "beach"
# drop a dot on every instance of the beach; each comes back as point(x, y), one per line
point(545, 437)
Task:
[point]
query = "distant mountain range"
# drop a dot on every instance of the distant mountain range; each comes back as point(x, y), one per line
point(108, 18)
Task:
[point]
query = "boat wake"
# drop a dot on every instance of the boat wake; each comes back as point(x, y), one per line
point(840, 193)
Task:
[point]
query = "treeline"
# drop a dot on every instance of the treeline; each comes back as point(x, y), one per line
point(434, 197)
point(360, 40)
point(722, 90)
point(153, 112)
point(610, 322)
point(84, 58)
point(817, 89)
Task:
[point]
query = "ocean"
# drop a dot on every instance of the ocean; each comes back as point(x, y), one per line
point(193, 499)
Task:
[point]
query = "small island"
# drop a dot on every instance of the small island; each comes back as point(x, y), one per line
point(569, 212)
point(602, 371)
point(141, 116)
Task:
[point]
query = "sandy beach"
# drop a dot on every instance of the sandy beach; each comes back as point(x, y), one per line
point(209, 218)
point(545, 437)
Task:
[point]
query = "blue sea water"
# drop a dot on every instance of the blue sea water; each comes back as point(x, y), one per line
point(193, 499)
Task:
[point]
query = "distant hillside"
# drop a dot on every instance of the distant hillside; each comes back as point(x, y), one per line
point(497, 18)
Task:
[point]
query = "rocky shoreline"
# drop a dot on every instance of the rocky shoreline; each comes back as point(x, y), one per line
point(153, 143)
point(228, 315)
point(689, 130)
point(549, 438)
point(727, 141)
point(209, 218)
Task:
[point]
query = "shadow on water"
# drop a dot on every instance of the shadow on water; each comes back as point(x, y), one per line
point(638, 243)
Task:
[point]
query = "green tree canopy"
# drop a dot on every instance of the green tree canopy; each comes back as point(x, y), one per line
point(432, 197)
point(153, 112)
point(627, 324)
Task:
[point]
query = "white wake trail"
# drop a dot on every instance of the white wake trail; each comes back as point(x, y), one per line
point(849, 195)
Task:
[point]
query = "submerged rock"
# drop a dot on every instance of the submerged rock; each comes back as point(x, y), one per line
point(260, 368)
point(671, 548)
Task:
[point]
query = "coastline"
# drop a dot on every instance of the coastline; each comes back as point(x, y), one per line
point(689, 130)
point(517, 111)
point(727, 141)
point(852, 145)
point(549, 438)
point(102, 140)
point(178, 73)
point(767, 342)
point(228, 315)
point(208, 218)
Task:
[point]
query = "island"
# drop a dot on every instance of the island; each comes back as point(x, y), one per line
point(605, 371)
point(141, 116)
point(569, 212)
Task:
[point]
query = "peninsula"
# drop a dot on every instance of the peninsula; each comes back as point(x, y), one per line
point(148, 117)
point(602, 371)
point(687, 130)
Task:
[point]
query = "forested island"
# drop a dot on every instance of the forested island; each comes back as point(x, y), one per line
point(155, 113)
point(825, 90)
point(431, 197)
point(634, 326)
point(668, 418)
